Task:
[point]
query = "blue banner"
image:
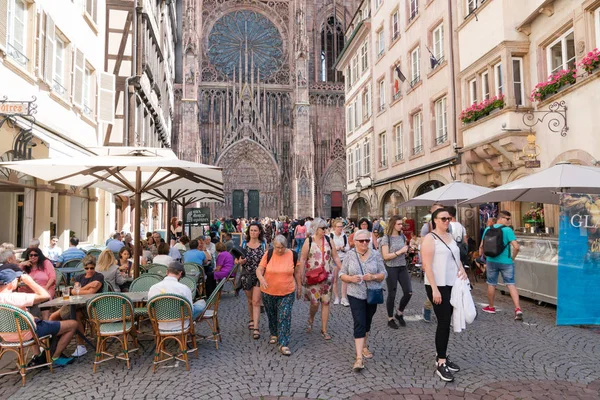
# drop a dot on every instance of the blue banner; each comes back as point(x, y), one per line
point(579, 260)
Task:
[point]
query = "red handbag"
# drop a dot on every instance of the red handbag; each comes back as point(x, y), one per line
point(319, 274)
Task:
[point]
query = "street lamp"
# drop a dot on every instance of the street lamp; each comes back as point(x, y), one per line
point(358, 186)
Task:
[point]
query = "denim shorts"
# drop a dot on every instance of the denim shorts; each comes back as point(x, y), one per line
point(494, 268)
point(44, 328)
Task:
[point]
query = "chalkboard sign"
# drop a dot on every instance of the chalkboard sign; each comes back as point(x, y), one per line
point(193, 216)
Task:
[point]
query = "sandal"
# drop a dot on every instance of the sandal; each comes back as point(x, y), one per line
point(366, 353)
point(358, 365)
point(309, 327)
point(273, 340)
point(256, 334)
point(285, 350)
point(326, 335)
point(250, 324)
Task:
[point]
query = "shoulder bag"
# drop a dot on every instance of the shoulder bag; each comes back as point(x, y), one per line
point(374, 296)
point(319, 274)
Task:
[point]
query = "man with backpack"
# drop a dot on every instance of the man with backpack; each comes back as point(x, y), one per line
point(499, 244)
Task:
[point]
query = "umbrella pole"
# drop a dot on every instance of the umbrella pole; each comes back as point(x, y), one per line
point(137, 250)
point(169, 216)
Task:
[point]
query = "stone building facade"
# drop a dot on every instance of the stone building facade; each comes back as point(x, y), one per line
point(258, 95)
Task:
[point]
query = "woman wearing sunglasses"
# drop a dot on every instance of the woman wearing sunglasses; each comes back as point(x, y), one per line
point(42, 271)
point(362, 268)
point(441, 263)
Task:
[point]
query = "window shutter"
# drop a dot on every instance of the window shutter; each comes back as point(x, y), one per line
point(3, 23)
point(78, 76)
point(106, 98)
point(41, 45)
point(49, 51)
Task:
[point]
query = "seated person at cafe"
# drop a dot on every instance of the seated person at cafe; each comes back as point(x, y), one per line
point(64, 330)
point(171, 285)
point(115, 243)
point(228, 241)
point(163, 256)
point(91, 282)
point(182, 244)
point(197, 253)
point(53, 251)
point(8, 260)
point(72, 253)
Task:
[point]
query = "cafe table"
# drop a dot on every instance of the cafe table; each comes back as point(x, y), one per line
point(82, 299)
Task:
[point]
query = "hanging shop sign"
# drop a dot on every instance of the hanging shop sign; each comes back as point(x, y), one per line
point(17, 108)
point(193, 216)
point(579, 260)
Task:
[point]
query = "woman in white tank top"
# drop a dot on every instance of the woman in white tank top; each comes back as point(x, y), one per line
point(441, 263)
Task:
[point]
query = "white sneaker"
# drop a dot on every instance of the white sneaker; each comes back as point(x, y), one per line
point(337, 301)
point(345, 302)
point(81, 350)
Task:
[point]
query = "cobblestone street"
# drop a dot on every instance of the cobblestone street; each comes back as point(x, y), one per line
point(500, 358)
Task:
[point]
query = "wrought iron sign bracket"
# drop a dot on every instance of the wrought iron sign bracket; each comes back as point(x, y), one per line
point(556, 115)
point(9, 111)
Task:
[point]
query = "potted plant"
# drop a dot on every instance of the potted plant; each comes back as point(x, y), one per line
point(480, 110)
point(555, 81)
point(591, 61)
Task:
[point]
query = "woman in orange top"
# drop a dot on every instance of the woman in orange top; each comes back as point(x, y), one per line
point(279, 279)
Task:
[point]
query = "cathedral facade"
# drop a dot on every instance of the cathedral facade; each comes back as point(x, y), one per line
point(259, 96)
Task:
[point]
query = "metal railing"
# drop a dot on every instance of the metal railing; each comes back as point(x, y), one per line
point(417, 150)
point(397, 95)
point(86, 110)
point(382, 107)
point(16, 55)
point(383, 163)
point(396, 35)
point(441, 139)
point(60, 89)
point(380, 54)
point(438, 62)
point(413, 14)
point(399, 157)
point(415, 81)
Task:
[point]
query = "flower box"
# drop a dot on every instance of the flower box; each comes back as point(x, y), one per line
point(591, 62)
point(555, 82)
point(483, 109)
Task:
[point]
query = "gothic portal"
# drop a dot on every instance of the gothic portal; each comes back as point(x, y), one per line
point(259, 96)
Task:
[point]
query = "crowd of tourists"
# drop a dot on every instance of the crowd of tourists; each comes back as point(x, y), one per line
point(323, 262)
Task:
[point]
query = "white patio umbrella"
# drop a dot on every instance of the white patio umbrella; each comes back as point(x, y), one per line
point(447, 195)
point(148, 172)
point(544, 186)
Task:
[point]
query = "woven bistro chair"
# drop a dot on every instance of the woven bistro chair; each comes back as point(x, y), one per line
point(74, 275)
point(210, 313)
point(94, 252)
point(72, 263)
point(143, 284)
point(198, 272)
point(112, 316)
point(157, 269)
point(107, 287)
point(172, 308)
point(191, 283)
point(61, 281)
point(16, 322)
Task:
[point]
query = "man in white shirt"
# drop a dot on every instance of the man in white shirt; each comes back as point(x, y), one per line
point(171, 285)
point(52, 252)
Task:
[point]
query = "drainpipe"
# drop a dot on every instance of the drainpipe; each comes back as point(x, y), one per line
point(135, 68)
point(457, 146)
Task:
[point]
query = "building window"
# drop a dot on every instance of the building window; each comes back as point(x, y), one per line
point(348, 77)
point(441, 121)
point(357, 163)
point(90, 9)
point(381, 85)
point(366, 104)
point(378, 3)
point(413, 9)
point(17, 31)
point(597, 23)
point(417, 121)
point(332, 43)
point(367, 158)
point(438, 44)
point(398, 142)
point(485, 85)
point(88, 108)
point(350, 167)
point(498, 80)
point(395, 25)
point(364, 57)
point(518, 81)
point(357, 114)
point(349, 119)
point(382, 150)
point(473, 91)
point(380, 43)
point(396, 83)
point(355, 69)
point(415, 59)
point(59, 66)
point(561, 53)
point(471, 6)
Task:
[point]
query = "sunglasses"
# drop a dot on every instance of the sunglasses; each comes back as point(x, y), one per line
point(88, 268)
point(34, 255)
point(445, 219)
point(363, 240)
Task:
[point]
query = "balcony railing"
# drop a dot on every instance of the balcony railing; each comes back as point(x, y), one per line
point(417, 150)
point(60, 89)
point(399, 157)
point(397, 95)
point(16, 55)
point(395, 35)
point(413, 15)
point(86, 110)
point(441, 139)
point(383, 164)
point(438, 62)
point(382, 107)
point(380, 54)
point(415, 81)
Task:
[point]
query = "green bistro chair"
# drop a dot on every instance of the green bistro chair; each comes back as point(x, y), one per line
point(17, 335)
point(172, 308)
point(157, 269)
point(107, 288)
point(61, 281)
point(74, 275)
point(94, 252)
point(197, 271)
point(143, 284)
point(112, 316)
point(191, 283)
point(72, 263)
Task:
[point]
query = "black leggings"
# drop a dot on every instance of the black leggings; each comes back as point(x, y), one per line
point(362, 314)
point(443, 313)
point(395, 275)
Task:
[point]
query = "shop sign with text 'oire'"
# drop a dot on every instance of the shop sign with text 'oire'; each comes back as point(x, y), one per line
point(14, 108)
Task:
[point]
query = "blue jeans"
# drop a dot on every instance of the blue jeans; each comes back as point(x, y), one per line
point(197, 308)
point(494, 268)
point(299, 244)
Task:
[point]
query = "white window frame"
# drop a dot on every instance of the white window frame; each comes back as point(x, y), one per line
point(519, 85)
point(563, 41)
point(86, 90)
point(357, 162)
point(413, 9)
point(349, 77)
point(415, 63)
point(367, 158)
point(485, 85)
point(382, 150)
point(59, 63)
point(350, 166)
point(398, 139)
point(91, 9)
point(438, 43)
point(597, 25)
point(355, 74)
point(380, 42)
point(471, 6)
point(349, 118)
point(378, 3)
point(472, 91)
point(357, 113)
point(417, 132)
point(365, 57)
point(395, 23)
point(498, 80)
point(18, 46)
point(441, 121)
point(381, 86)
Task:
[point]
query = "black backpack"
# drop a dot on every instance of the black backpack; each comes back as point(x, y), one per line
point(310, 241)
point(493, 242)
point(270, 254)
point(345, 239)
